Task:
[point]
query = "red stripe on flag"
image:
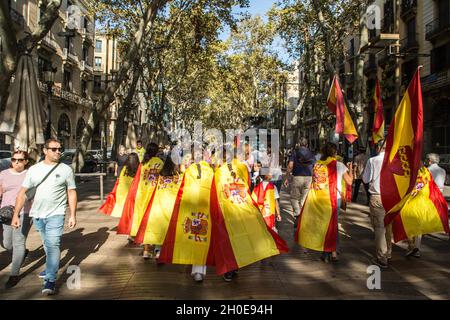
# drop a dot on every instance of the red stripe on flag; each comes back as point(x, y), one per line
point(108, 207)
point(331, 236)
point(144, 222)
point(124, 226)
point(440, 203)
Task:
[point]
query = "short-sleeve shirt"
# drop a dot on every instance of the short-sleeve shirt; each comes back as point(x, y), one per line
point(11, 183)
point(51, 196)
point(341, 170)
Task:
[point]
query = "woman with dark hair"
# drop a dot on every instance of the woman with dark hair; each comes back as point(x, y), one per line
point(115, 200)
point(140, 193)
point(155, 222)
point(318, 223)
point(14, 238)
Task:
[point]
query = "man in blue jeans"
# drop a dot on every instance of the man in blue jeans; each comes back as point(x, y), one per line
point(49, 206)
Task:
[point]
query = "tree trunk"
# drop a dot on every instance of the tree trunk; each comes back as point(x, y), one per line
point(133, 53)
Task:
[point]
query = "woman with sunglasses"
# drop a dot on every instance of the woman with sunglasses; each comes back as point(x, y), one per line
point(14, 239)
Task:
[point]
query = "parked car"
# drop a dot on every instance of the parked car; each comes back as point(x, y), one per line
point(90, 163)
point(445, 164)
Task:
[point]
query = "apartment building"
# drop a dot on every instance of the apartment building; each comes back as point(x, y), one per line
point(68, 48)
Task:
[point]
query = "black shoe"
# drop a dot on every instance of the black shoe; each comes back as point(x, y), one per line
point(228, 276)
point(325, 258)
point(379, 263)
point(412, 252)
point(12, 281)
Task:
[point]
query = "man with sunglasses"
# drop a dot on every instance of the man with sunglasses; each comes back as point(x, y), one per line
point(49, 206)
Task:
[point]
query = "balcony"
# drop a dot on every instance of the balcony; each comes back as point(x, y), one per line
point(438, 28)
point(66, 95)
point(409, 44)
point(49, 42)
point(409, 9)
point(87, 34)
point(69, 57)
point(17, 18)
point(381, 38)
point(98, 68)
point(436, 80)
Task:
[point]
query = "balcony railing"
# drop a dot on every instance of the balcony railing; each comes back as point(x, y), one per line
point(409, 43)
point(436, 80)
point(17, 17)
point(49, 41)
point(98, 68)
point(66, 95)
point(437, 27)
point(68, 55)
point(87, 34)
point(409, 8)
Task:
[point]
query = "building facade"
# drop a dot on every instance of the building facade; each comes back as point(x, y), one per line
point(68, 48)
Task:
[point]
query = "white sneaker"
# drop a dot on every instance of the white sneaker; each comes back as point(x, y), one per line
point(416, 254)
point(198, 277)
point(146, 255)
point(157, 254)
point(412, 252)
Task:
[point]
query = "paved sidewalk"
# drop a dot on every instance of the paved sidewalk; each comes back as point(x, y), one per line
point(112, 269)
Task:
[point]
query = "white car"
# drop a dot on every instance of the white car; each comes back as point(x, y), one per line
point(5, 159)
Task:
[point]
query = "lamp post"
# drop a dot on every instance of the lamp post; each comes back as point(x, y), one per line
point(49, 79)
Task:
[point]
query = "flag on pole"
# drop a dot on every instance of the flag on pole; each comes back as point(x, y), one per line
point(336, 104)
point(378, 120)
point(402, 159)
point(425, 211)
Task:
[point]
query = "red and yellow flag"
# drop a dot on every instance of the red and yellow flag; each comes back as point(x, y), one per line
point(239, 236)
point(402, 159)
point(336, 104)
point(139, 196)
point(425, 210)
point(378, 120)
point(318, 222)
point(188, 240)
point(115, 200)
point(265, 199)
point(155, 222)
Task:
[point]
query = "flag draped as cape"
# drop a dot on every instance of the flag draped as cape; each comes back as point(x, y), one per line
point(378, 120)
point(188, 240)
point(139, 196)
point(318, 222)
point(115, 200)
point(425, 210)
point(155, 222)
point(240, 236)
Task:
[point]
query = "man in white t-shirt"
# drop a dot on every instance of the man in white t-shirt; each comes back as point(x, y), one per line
point(49, 206)
point(383, 235)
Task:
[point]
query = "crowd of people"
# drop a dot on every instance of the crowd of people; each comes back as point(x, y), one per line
point(202, 210)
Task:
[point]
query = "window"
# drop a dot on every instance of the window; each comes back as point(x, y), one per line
point(85, 53)
point(98, 45)
point(411, 30)
point(67, 80)
point(98, 62)
point(440, 60)
point(97, 82)
point(444, 13)
point(84, 90)
point(43, 64)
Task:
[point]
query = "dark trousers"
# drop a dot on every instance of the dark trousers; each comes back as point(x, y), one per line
point(356, 186)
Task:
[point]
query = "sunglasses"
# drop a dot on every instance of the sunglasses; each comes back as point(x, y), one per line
point(17, 160)
point(55, 149)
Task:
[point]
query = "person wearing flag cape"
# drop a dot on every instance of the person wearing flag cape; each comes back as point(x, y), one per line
point(140, 194)
point(113, 205)
point(318, 223)
point(155, 222)
point(240, 236)
point(188, 239)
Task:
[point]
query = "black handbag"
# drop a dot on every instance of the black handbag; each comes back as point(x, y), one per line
point(31, 192)
point(6, 214)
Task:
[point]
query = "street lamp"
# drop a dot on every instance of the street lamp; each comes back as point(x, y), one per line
point(49, 79)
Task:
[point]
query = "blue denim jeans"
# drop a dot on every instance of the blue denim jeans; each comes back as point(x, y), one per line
point(51, 230)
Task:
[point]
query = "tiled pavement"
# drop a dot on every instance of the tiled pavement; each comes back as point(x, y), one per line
point(112, 269)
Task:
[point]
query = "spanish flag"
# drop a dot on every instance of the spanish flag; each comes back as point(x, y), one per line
point(155, 222)
point(425, 210)
point(139, 196)
point(239, 236)
point(115, 200)
point(336, 104)
point(318, 222)
point(265, 199)
point(378, 120)
point(402, 159)
point(188, 240)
